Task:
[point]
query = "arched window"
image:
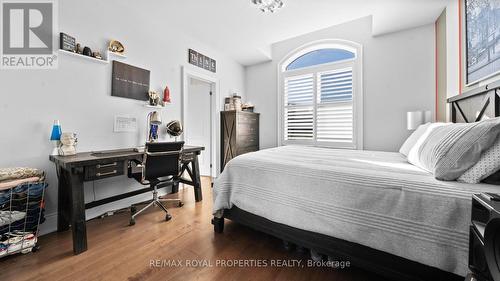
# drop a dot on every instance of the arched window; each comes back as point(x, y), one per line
point(320, 57)
point(321, 95)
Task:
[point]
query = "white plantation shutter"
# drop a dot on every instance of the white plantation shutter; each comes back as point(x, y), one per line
point(321, 100)
point(299, 107)
point(335, 106)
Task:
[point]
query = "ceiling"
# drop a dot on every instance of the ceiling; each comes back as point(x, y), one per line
point(239, 29)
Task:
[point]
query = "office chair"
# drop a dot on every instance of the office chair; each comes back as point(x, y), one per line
point(160, 167)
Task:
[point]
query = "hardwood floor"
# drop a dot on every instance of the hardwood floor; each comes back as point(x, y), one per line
point(119, 252)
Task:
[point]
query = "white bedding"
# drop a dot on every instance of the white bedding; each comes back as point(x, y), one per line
point(376, 199)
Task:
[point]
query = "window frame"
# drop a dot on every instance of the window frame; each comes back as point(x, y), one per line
point(357, 102)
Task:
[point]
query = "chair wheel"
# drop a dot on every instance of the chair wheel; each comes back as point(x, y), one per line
point(132, 222)
point(181, 204)
point(168, 217)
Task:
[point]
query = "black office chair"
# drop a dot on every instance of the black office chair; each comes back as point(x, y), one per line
point(160, 167)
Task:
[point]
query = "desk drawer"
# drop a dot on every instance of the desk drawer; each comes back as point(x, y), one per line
point(188, 157)
point(104, 170)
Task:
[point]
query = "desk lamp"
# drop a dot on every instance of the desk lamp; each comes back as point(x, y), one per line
point(55, 136)
point(154, 120)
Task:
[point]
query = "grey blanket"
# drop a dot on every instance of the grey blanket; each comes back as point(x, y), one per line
point(376, 199)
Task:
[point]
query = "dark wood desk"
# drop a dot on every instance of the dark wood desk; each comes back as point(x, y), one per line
point(73, 171)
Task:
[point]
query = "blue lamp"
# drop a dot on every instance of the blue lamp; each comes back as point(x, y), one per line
point(55, 136)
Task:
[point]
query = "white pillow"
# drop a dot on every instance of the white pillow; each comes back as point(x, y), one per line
point(413, 138)
point(488, 164)
point(414, 153)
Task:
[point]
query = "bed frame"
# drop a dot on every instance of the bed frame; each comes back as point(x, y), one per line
point(468, 107)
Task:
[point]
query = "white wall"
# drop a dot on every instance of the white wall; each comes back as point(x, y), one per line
point(78, 93)
point(399, 76)
point(452, 49)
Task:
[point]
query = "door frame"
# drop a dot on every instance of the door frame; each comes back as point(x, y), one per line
point(188, 73)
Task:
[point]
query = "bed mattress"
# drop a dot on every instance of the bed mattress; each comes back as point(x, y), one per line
point(372, 198)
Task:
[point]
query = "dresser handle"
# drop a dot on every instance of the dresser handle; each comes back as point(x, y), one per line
point(106, 174)
point(106, 165)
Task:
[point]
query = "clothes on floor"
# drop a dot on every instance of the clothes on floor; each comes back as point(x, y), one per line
point(26, 198)
point(13, 183)
point(8, 217)
point(16, 241)
point(8, 174)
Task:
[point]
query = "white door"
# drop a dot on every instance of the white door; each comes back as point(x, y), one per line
point(198, 120)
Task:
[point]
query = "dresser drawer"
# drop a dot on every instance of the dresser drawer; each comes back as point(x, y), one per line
point(243, 150)
point(248, 118)
point(104, 170)
point(247, 129)
point(247, 140)
point(188, 157)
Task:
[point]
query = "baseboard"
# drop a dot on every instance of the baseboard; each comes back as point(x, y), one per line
point(50, 224)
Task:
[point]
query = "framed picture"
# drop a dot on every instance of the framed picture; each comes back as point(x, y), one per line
point(213, 66)
point(129, 81)
point(193, 57)
point(206, 63)
point(482, 27)
point(202, 61)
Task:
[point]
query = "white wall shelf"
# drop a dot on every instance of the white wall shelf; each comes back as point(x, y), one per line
point(103, 61)
point(110, 53)
point(156, 106)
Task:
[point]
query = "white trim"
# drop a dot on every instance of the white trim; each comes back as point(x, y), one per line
point(215, 100)
point(357, 65)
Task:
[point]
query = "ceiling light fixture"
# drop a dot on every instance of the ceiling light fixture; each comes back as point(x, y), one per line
point(268, 5)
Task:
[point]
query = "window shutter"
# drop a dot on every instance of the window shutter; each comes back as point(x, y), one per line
point(335, 106)
point(299, 107)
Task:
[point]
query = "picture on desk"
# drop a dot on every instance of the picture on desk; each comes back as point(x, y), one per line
point(129, 81)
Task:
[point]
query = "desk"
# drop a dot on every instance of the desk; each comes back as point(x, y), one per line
point(73, 171)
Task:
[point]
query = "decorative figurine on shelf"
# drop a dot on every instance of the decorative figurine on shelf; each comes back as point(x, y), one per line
point(116, 47)
point(97, 55)
point(87, 51)
point(166, 95)
point(78, 48)
point(68, 147)
point(154, 98)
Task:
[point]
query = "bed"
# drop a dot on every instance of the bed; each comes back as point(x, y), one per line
point(371, 208)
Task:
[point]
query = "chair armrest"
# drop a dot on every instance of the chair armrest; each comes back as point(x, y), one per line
point(129, 169)
point(137, 162)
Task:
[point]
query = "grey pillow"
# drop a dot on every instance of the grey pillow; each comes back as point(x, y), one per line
point(412, 139)
point(488, 164)
point(448, 151)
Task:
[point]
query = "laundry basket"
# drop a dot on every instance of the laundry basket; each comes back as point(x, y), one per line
point(21, 213)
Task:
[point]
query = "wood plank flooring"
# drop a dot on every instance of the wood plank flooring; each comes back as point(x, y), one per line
point(119, 252)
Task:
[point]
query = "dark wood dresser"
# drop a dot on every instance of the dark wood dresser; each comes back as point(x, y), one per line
point(239, 134)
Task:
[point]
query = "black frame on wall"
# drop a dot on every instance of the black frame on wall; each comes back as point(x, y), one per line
point(467, 80)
